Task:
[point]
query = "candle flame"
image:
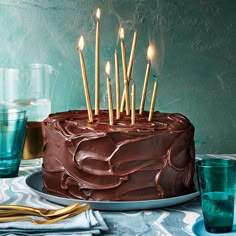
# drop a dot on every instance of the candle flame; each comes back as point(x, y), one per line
point(149, 52)
point(108, 68)
point(81, 43)
point(122, 33)
point(98, 14)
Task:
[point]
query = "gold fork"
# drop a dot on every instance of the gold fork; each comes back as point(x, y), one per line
point(79, 210)
point(8, 210)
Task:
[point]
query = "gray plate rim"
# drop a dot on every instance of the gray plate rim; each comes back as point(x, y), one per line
point(34, 182)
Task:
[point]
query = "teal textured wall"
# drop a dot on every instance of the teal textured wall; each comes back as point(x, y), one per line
point(195, 60)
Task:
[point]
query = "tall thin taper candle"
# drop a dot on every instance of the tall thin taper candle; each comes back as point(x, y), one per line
point(97, 63)
point(109, 94)
point(130, 66)
point(145, 84)
point(85, 81)
point(117, 85)
point(131, 58)
point(154, 94)
point(133, 96)
point(126, 85)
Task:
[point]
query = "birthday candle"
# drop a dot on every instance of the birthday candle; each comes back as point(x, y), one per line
point(117, 86)
point(154, 94)
point(133, 96)
point(131, 59)
point(126, 85)
point(84, 76)
point(130, 66)
point(97, 63)
point(109, 94)
point(145, 84)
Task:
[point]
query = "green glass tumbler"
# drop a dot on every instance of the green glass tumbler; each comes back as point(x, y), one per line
point(13, 126)
point(217, 179)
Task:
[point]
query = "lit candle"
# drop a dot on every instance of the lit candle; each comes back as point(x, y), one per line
point(84, 76)
point(117, 86)
point(126, 85)
point(154, 94)
point(97, 63)
point(109, 94)
point(145, 84)
point(130, 66)
point(133, 96)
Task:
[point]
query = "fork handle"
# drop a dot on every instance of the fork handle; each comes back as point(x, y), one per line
point(4, 213)
point(49, 221)
point(14, 218)
point(18, 207)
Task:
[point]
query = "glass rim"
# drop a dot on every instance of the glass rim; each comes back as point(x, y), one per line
point(34, 66)
point(216, 163)
point(12, 114)
point(16, 120)
point(11, 111)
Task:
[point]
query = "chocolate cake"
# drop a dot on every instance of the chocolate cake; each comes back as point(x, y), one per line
point(120, 162)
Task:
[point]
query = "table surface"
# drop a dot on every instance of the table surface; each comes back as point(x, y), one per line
point(174, 220)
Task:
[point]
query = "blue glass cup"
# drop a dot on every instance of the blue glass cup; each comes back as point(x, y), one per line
point(217, 180)
point(13, 127)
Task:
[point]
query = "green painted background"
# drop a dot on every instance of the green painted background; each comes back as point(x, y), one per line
point(195, 61)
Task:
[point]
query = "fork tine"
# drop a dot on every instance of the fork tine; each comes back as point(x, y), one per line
point(25, 210)
point(56, 219)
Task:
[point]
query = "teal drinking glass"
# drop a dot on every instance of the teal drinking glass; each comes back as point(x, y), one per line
point(217, 178)
point(13, 126)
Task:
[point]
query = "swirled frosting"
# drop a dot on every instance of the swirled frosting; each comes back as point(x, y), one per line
point(120, 162)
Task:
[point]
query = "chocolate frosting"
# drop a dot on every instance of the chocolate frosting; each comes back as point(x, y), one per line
point(120, 162)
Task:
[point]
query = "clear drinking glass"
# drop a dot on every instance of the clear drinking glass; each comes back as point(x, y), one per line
point(29, 87)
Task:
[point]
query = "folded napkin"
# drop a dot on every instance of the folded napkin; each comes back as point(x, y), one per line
point(87, 223)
